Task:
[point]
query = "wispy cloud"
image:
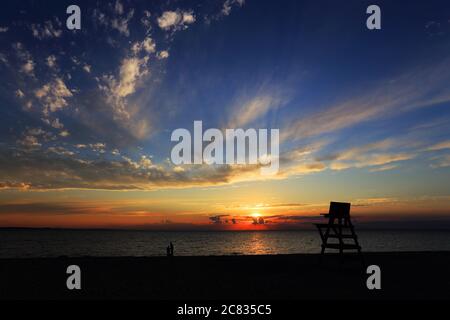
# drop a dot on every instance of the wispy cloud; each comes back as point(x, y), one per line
point(385, 168)
point(394, 96)
point(441, 162)
point(247, 111)
point(372, 160)
point(439, 146)
point(132, 74)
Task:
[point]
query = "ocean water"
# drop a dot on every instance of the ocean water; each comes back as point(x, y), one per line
point(76, 243)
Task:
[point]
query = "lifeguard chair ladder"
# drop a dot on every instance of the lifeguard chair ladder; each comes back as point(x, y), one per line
point(339, 227)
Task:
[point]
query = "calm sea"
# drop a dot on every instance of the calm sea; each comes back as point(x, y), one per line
point(54, 243)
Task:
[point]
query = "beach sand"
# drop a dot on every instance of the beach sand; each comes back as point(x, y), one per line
point(415, 275)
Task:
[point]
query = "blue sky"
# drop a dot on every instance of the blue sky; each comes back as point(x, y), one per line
point(86, 112)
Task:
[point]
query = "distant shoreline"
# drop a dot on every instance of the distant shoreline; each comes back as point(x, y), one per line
point(359, 227)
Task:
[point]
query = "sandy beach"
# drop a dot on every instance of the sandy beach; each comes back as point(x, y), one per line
point(414, 275)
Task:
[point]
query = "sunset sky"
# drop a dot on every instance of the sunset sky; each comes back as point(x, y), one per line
point(87, 116)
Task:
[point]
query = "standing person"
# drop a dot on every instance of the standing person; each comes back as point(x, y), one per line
point(171, 248)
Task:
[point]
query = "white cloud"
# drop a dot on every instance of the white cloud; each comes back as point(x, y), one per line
point(382, 155)
point(29, 142)
point(131, 70)
point(378, 156)
point(28, 63)
point(46, 30)
point(439, 146)
point(442, 162)
point(53, 95)
point(19, 93)
point(118, 7)
point(132, 73)
point(246, 111)
point(178, 169)
point(36, 132)
point(169, 19)
point(64, 133)
point(145, 162)
point(118, 21)
point(30, 138)
point(28, 67)
point(188, 17)
point(384, 168)
point(98, 147)
point(51, 61)
point(61, 151)
point(372, 160)
point(87, 68)
point(75, 61)
point(163, 54)
point(228, 4)
point(145, 20)
point(225, 10)
point(356, 152)
point(175, 20)
point(392, 97)
point(121, 24)
point(56, 124)
point(3, 58)
point(147, 45)
point(22, 54)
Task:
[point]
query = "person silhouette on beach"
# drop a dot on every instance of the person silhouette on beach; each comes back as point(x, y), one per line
point(170, 250)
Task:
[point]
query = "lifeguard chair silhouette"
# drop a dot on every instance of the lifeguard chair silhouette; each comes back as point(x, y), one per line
point(340, 228)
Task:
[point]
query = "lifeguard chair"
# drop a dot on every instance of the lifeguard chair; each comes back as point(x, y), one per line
point(340, 228)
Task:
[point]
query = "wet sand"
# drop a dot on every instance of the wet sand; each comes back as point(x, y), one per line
point(415, 275)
